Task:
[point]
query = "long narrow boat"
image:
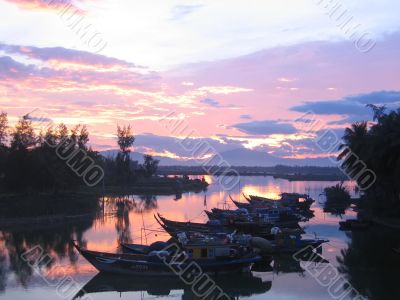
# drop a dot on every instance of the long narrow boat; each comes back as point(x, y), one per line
point(254, 206)
point(256, 229)
point(258, 221)
point(301, 201)
point(257, 214)
point(212, 260)
point(176, 226)
point(239, 205)
point(266, 232)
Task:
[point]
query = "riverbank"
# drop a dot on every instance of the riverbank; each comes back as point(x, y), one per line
point(84, 200)
point(168, 185)
point(281, 172)
point(312, 177)
point(45, 221)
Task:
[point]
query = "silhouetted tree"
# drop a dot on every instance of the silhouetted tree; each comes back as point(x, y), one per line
point(378, 147)
point(125, 142)
point(337, 199)
point(3, 147)
point(80, 136)
point(150, 166)
point(31, 161)
point(125, 139)
point(23, 137)
point(3, 128)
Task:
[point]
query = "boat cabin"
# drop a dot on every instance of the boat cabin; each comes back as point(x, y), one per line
point(210, 251)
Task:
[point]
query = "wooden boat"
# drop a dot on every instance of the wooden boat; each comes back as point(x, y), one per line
point(176, 226)
point(274, 241)
point(296, 200)
point(261, 199)
point(188, 240)
point(237, 242)
point(143, 249)
point(269, 214)
point(212, 259)
point(289, 244)
point(234, 285)
point(239, 205)
point(256, 229)
point(263, 232)
point(255, 206)
point(269, 219)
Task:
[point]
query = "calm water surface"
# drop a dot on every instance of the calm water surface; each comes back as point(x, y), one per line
point(367, 260)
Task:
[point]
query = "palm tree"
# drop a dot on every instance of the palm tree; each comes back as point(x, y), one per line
point(377, 149)
point(353, 147)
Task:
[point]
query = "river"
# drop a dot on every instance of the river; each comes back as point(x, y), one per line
point(366, 261)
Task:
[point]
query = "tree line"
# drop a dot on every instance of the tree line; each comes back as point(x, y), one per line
point(377, 145)
point(29, 162)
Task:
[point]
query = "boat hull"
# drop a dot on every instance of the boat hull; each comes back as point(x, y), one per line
point(141, 265)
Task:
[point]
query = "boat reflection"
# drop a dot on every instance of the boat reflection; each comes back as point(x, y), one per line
point(286, 263)
point(244, 285)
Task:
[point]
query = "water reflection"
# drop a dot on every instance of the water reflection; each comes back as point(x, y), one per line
point(233, 285)
point(54, 241)
point(119, 208)
point(369, 262)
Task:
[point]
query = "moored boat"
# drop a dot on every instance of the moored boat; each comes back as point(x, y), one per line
point(260, 229)
point(294, 200)
point(212, 259)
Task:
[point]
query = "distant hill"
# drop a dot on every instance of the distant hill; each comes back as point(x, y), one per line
point(236, 157)
point(247, 157)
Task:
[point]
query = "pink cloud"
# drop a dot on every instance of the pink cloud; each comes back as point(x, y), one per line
point(67, 56)
point(56, 5)
point(76, 86)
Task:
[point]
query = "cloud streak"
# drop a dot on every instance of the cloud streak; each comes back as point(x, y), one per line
point(179, 12)
point(211, 102)
point(351, 108)
point(266, 127)
point(63, 55)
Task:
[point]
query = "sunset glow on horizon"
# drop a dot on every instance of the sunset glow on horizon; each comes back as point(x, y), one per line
point(237, 85)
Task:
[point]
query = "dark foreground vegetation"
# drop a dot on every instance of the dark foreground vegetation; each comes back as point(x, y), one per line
point(377, 145)
point(337, 199)
point(39, 159)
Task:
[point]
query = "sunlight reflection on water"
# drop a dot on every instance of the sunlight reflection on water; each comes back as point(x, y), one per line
point(123, 219)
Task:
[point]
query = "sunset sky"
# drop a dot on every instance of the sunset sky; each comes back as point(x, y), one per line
point(240, 74)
